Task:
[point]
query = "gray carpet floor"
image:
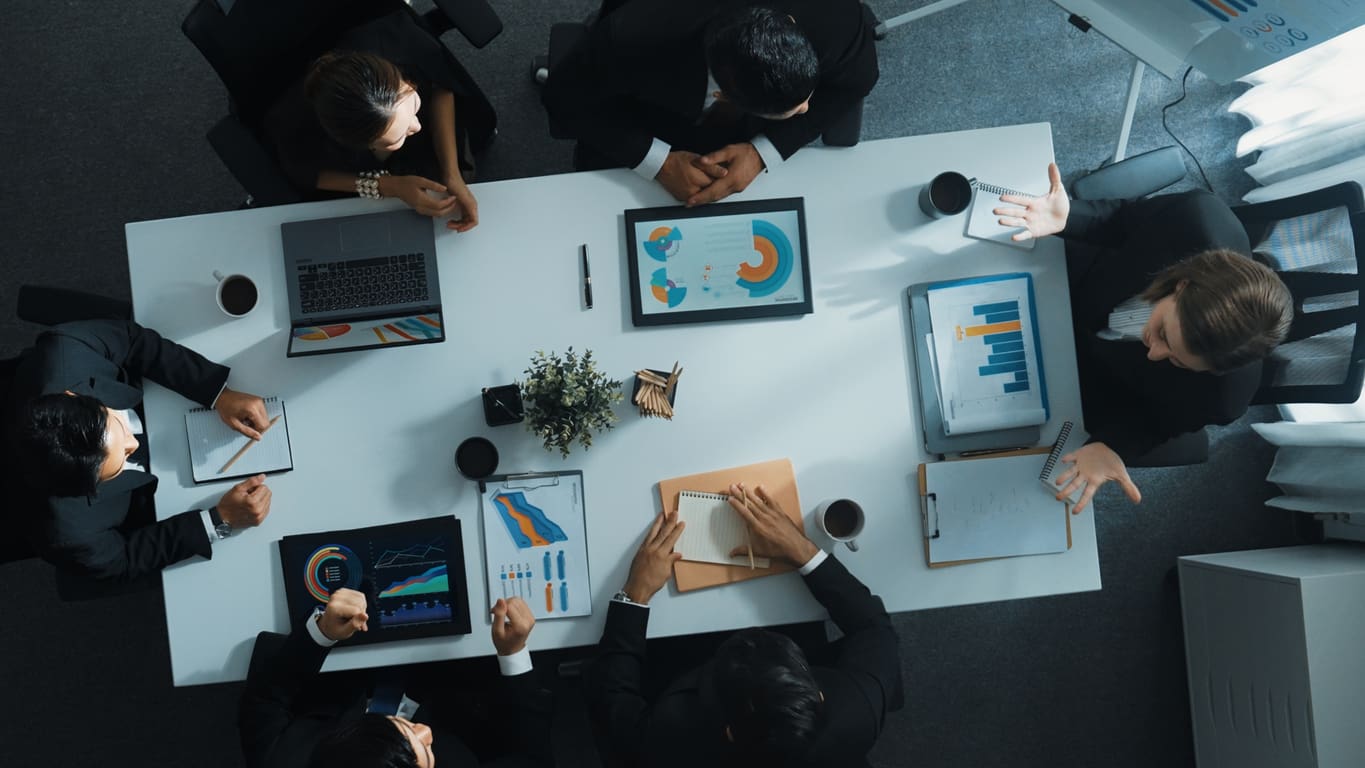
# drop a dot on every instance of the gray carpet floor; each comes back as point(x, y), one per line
point(106, 108)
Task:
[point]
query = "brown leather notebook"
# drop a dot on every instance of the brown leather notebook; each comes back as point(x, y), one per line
point(776, 477)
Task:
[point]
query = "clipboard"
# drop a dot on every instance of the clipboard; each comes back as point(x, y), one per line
point(928, 502)
point(776, 477)
point(535, 542)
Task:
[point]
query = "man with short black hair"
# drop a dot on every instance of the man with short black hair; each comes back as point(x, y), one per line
point(759, 701)
point(82, 488)
point(702, 96)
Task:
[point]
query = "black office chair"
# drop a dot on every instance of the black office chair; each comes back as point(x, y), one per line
point(260, 48)
point(564, 36)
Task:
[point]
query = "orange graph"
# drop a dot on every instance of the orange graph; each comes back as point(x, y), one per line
point(986, 330)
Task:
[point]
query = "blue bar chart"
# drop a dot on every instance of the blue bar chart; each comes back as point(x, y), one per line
point(1002, 343)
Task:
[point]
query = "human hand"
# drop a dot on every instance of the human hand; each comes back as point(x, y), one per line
point(653, 563)
point(465, 206)
point(683, 178)
point(344, 615)
point(246, 504)
point(1092, 466)
point(771, 532)
point(512, 624)
point(742, 164)
point(244, 413)
point(413, 191)
point(1040, 216)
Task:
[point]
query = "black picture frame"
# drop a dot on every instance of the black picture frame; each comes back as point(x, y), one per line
point(635, 216)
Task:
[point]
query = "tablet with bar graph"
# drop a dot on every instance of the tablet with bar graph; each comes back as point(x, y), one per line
point(986, 353)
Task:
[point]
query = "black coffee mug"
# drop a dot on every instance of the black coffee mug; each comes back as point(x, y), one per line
point(947, 195)
point(236, 294)
point(476, 458)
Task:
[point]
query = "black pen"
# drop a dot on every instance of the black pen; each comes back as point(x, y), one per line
point(587, 277)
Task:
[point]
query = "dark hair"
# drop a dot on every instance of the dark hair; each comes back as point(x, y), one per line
point(762, 61)
point(61, 443)
point(1232, 310)
point(373, 741)
point(767, 694)
point(353, 94)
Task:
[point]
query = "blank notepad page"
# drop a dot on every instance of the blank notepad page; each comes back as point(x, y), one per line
point(712, 530)
point(213, 444)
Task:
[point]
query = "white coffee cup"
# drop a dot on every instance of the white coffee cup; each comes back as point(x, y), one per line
point(237, 294)
point(841, 520)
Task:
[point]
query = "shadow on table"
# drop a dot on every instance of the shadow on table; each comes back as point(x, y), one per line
point(431, 484)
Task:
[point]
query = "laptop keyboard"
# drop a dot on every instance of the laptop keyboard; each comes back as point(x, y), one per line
point(363, 283)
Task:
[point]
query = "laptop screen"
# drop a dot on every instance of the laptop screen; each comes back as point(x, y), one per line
point(425, 327)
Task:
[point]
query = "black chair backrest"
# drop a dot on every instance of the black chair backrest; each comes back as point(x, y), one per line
point(1323, 358)
point(262, 47)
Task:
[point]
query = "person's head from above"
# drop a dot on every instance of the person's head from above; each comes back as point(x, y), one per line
point(1216, 311)
point(762, 61)
point(71, 443)
point(377, 741)
point(766, 695)
point(362, 101)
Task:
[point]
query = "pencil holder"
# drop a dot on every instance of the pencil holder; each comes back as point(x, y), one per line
point(502, 405)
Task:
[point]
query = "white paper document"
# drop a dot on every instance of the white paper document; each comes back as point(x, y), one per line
point(713, 530)
point(213, 444)
point(992, 508)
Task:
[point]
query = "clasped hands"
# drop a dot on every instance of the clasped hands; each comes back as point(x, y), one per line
point(771, 534)
point(699, 179)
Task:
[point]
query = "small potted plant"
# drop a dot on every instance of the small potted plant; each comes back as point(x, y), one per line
point(567, 399)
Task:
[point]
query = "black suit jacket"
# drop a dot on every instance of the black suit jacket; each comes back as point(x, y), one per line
point(682, 727)
point(640, 74)
point(1114, 249)
point(288, 708)
point(108, 359)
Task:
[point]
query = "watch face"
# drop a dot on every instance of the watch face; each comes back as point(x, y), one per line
point(223, 530)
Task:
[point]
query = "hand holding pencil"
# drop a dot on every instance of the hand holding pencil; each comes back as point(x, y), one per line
point(771, 532)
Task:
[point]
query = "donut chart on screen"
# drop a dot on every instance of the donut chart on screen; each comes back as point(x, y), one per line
point(330, 568)
point(771, 274)
point(663, 243)
point(665, 290)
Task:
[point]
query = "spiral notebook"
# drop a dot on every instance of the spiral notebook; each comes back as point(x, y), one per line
point(213, 444)
point(1068, 439)
point(983, 224)
point(712, 530)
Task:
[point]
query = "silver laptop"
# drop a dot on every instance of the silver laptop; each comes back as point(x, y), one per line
point(361, 282)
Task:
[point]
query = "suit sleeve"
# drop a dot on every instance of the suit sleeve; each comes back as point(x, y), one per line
point(111, 555)
point(278, 674)
point(870, 655)
point(534, 706)
point(588, 96)
point(613, 683)
point(144, 354)
point(1098, 222)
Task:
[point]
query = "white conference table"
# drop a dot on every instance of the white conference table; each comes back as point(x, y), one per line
point(374, 432)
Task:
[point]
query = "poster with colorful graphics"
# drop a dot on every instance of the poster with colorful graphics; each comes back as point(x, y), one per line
point(731, 260)
point(535, 542)
point(412, 575)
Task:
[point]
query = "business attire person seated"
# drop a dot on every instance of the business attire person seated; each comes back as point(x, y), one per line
point(1172, 319)
point(759, 701)
point(290, 715)
point(355, 123)
point(77, 448)
point(704, 95)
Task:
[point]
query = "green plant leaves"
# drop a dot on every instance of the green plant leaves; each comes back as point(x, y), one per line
point(566, 398)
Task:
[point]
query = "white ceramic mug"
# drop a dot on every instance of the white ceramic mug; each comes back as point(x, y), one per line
point(244, 294)
point(848, 520)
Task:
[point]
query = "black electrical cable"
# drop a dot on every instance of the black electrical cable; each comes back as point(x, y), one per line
point(1183, 93)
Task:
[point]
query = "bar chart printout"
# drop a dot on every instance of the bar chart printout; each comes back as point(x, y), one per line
point(985, 348)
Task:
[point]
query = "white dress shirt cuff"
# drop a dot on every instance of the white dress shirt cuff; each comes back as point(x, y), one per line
point(315, 632)
point(208, 526)
point(518, 663)
point(814, 562)
point(771, 157)
point(221, 390)
point(654, 160)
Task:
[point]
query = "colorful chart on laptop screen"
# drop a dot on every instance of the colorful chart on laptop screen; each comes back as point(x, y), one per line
point(720, 262)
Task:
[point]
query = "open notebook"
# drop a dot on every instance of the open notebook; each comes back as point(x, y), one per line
point(983, 224)
point(713, 530)
point(213, 444)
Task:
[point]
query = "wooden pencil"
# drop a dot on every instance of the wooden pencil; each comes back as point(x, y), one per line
point(247, 447)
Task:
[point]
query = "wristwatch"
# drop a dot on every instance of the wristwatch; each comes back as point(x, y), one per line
point(622, 597)
point(221, 528)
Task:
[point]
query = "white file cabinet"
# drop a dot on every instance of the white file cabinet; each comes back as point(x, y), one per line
point(1275, 650)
